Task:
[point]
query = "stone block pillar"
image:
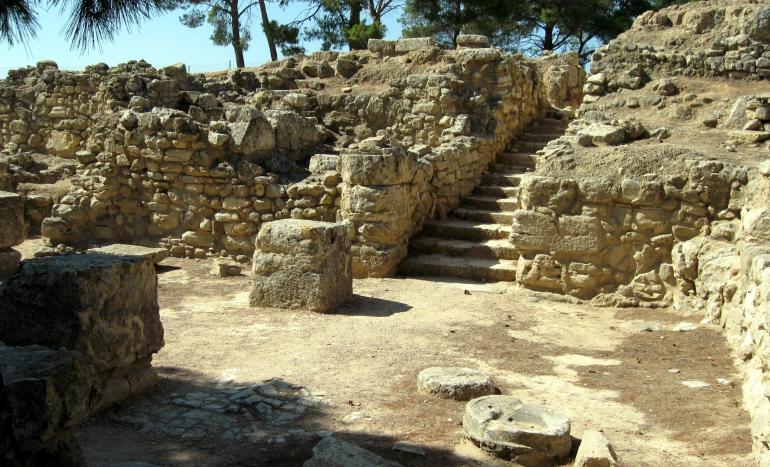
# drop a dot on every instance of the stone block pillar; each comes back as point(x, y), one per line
point(12, 232)
point(302, 264)
point(380, 200)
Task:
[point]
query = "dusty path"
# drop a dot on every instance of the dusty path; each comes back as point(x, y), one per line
point(357, 371)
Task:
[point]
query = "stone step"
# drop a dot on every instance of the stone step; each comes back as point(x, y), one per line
point(492, 249)
point(508, 169)
point(547, 122)
point(480, 269)
point(501, 179)
point(497, 191)
point(483, 215)
point(491, 203)
point(536, 137)
point(467, 230)
point(520, 159)
point(528, 146)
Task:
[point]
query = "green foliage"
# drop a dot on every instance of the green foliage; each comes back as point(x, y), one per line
point(338, 23)
point(358, 35)
point(285, 36)
point(18, 21)
point(218, 16)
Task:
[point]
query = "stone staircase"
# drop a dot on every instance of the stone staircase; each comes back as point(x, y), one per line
point(472, 242)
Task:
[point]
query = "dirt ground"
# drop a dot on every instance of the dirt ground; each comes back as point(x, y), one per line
point(359, 367)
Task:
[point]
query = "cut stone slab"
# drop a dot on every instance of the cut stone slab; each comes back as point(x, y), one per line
point(155, 255)
point(460, 384)
point(595, 451)
point(601, 134)
point(302, 264)
point(331, 452)
point(472, 41)
point(12, 227)
point(524, 433)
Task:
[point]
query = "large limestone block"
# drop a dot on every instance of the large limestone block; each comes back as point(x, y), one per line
point(369, 261)
point(62, 143)
point(105, 307)
point(377, 169)
point(12, 230)
point(388, 203)
point(302, 264)
point(251, 133)
point(524, 433)
point(568, 236)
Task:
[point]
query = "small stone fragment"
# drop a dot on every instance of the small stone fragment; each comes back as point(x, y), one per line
point(225, 268)
point(331, 452)
point(595, 451)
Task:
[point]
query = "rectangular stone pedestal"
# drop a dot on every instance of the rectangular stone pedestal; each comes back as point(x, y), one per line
point(301, 264)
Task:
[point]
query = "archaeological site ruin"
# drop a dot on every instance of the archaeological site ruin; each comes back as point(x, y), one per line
point(405, 255)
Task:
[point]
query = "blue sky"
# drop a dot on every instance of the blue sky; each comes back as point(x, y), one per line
point(161, 41)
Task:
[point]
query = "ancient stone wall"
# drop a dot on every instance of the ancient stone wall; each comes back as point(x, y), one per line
point(592, 236)
point(199, 163)
point(727, 280)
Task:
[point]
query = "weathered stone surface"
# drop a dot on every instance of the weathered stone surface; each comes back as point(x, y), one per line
point(154, 255)
point(525, 433)
point(302, 264)
point(12, 230)
point(331, 452)
point(595, 451)
point(103, 306)
point(9, 262)
point(460, 384)
point(382, 47)
point(62, 143)
point(320, 163)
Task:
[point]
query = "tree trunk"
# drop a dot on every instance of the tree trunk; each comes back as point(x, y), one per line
point(236, 32)
point(355, 19)
point(268, 33)
point(548, 37)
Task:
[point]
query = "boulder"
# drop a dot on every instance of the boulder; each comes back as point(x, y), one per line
point(524, 433)
point(382, 47)
point(460, 384)
point(302, 264)
point(331, 452)
point(595, 451)
point(346, 68)
point(62, 143)
point(377, 169)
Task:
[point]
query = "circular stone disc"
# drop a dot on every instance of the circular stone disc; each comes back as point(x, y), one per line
point(506, 427)
point(455, 383)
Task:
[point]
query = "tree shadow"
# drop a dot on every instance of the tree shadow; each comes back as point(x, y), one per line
point(361, 305)
point(162, 427)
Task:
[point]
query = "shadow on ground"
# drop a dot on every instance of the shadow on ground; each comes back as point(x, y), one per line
point(183, 421)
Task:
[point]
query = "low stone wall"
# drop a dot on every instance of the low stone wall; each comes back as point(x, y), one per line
point(727, 280)
point(597, 236)
point(12, 232)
